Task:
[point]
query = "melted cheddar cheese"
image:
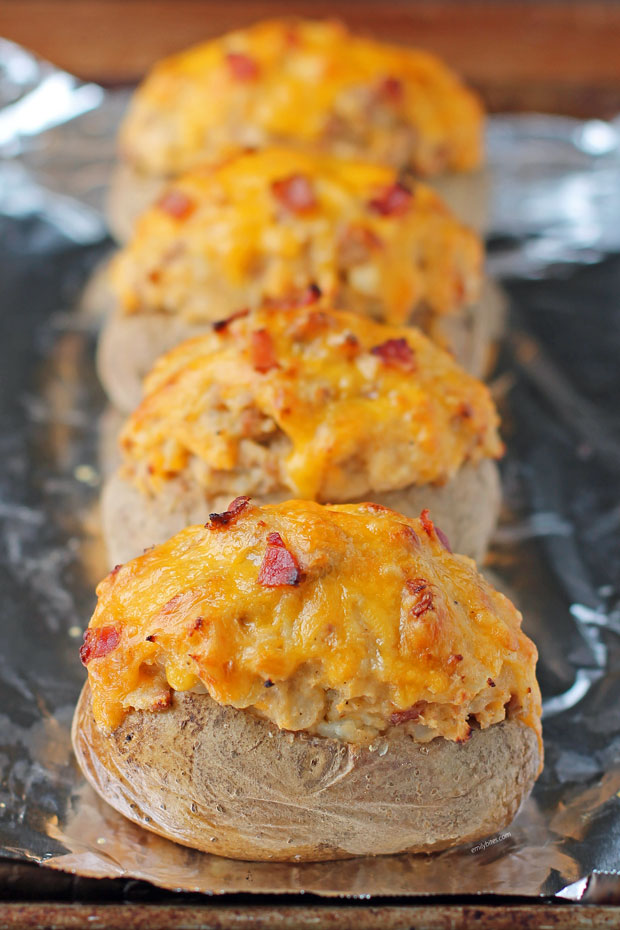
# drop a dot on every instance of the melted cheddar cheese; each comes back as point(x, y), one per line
point(341, 621)
point(328, 405)
point(266, 225)
point(310, 84)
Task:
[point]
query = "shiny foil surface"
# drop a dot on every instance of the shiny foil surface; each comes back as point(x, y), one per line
point(554, 242)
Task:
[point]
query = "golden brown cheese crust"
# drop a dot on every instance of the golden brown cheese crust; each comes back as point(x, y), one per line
point(306, 84)
point(266, 226)
point(327, 405)
point(341, 621)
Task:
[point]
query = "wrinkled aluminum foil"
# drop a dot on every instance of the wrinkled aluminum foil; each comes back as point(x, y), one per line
point(555, 243)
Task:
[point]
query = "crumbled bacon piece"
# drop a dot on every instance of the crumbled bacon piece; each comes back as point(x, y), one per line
point(427, 523)
point(394, 200)
point(454, 660)
point(279, 566)
point(230, 514)
point(350, 346)
point(465, 411)
point(177, 204)
point(98, 642)
point(423, 593)
point(310, 296)
point(391, 89)
point(490, 683)
point(222, 325)
point(430, 529)
point(396, 353)
point(295, 193)
point(262, 351)
point(412, 713)
point(296, 300)
point(242, 67)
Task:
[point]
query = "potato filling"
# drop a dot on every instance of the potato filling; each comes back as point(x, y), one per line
point(310, 84)
point(325, 405)
point(265, 226)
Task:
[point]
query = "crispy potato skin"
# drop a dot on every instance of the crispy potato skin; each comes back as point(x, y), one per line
point(227, 782)
point(466, 509)
point(129, 345)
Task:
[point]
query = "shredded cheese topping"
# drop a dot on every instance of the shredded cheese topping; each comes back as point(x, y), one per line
point(329, 405)
point(303, 83)
point(265, 225)
point(342, 621)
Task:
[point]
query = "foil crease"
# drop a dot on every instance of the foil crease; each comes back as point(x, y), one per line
point(554, 242)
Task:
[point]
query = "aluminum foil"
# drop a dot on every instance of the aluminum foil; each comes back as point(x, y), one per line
point(555, 243)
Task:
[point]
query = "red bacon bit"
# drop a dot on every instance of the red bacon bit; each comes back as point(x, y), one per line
point(222, 325)
point(423, 593)
point(465, 411)
point(454, 660)
point(430, 529)
point(309, 296)
point(98, 642)
point(294, 301)
point(391, 89)
point(262, 351)
point(176, 204)
point(350, 346)
point(427, 523)
point(490, 683)
point(395, 353)
point(279, 566)
point(394, 200)
point(235, 507)
point(242, 67)
point(412, 713)
point(295, 193)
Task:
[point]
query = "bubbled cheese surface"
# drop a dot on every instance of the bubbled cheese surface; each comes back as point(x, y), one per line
point(265, 225)
point(310, 84)
point(329, 405)
point(361, 621)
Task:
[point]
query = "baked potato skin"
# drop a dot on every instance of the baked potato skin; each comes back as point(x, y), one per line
point(227, 782)
point(466, 508)
point(129, 345)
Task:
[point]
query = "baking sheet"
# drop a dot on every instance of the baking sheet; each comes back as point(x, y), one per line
point(555, 238)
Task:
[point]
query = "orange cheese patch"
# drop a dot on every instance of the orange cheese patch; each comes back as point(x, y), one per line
point(310, 84)
point(266, 226)
point(341, 621)
point(335, 406)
